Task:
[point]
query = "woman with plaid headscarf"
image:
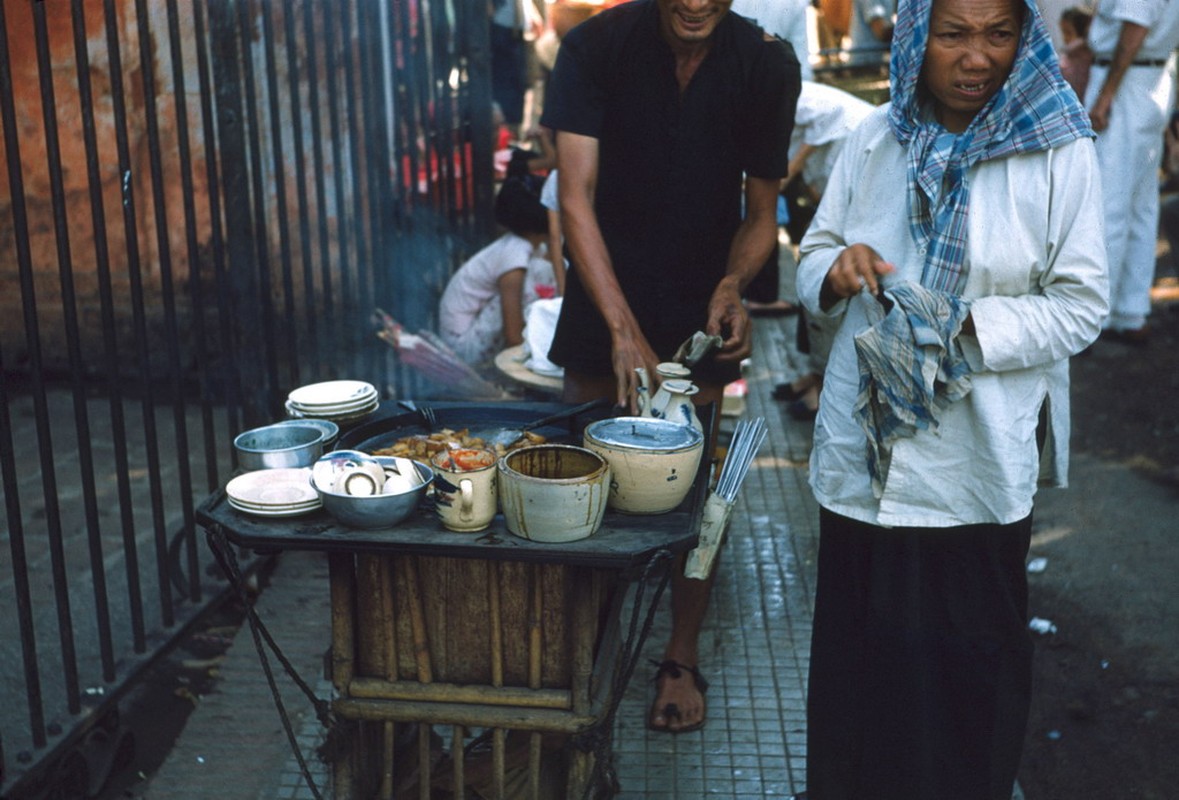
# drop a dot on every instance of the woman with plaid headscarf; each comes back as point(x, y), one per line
point(960, 242)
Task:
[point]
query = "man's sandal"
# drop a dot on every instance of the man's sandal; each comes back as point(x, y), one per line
point(674, 670)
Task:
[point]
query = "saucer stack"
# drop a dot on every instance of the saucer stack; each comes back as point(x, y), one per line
point(273, 492)
point(338, 401)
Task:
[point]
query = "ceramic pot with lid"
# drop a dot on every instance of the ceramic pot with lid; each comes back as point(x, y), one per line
point(653, 462)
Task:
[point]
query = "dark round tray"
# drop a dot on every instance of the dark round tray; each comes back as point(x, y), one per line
point(392, 422)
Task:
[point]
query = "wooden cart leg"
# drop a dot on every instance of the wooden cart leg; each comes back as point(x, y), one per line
point(498, 762)
point(458, 755)
point(342, 774)
point(534, 744)
point(387, 744)
point(342, 588)
point(495, 626)
point(581, 772)
point(343, 591)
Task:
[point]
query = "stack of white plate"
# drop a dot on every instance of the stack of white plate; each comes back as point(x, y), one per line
point(338, 401)
point(273, 492)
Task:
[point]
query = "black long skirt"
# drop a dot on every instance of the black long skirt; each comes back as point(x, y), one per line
point(921, 661)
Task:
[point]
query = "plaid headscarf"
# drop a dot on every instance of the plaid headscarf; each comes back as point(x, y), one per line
point(1034, 110)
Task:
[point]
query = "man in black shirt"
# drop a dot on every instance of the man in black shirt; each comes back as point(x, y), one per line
point(668, 114)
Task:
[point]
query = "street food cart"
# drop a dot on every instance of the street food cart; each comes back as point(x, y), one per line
point(476, 660)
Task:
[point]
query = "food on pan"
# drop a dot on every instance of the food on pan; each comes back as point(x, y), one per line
point(421, 446)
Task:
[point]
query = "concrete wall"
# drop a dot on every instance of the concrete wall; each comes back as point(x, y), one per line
point(46, 253)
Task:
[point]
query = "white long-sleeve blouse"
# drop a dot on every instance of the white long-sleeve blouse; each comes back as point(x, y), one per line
point(1038, 291)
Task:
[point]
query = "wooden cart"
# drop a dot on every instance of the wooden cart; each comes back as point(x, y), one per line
point(481, 661)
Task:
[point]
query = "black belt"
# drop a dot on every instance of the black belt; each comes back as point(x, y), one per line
point(1142, 62)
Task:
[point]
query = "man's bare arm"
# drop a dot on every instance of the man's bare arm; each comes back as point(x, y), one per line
point(577, 160)
point(751, 246)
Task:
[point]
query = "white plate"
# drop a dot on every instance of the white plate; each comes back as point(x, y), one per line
point(332, 393)
point(308, 504)
point(277, 507)
point(294, 413)
point(273, 487)
point(359, 400)
point(273, 512)
point(324, 412)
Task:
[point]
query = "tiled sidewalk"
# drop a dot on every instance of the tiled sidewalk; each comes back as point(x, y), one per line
point(754, 652)
point(756, 643)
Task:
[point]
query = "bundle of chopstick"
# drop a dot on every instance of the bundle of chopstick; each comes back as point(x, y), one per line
point(747, 439)
point(426, 353)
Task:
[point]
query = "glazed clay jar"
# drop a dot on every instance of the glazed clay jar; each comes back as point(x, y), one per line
point(653, 462)
point(553, 492)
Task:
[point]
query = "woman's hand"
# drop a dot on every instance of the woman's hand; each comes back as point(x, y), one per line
point(858, 266)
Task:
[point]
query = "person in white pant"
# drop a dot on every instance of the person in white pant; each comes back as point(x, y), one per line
point(870, 32)
point(1129, 98)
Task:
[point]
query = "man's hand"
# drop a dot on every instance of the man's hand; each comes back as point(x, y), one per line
point(858, 266)
point(751, 246)
point(629, 352)
point(1099, 114)
point(728, 318)
point(1130, 39)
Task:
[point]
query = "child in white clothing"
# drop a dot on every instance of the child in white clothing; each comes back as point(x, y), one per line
point(482, 307)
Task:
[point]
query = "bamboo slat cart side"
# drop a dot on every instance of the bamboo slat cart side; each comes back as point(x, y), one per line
point(517, 641)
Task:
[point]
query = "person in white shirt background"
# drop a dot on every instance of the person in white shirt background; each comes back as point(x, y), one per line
point(824, 118)
point(512, 23)
point(1129, 97)
point(972, 203)
point(785, 19)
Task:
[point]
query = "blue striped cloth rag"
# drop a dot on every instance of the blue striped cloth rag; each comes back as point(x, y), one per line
point(911, 368)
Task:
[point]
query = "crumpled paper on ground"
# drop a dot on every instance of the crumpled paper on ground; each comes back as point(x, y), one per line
point(540, 323)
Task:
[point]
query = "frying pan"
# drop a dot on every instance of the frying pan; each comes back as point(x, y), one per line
point(505, 436)
point(554, 421)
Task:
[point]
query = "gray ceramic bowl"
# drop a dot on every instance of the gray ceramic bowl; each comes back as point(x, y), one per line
point(378, 510)
point(328, 429)
point(279, 446)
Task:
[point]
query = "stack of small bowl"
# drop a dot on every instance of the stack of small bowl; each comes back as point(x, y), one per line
point(277, 459)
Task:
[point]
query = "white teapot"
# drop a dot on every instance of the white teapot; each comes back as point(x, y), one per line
point(673, 399)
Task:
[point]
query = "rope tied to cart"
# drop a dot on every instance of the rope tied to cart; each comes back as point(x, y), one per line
point(598, 737)
point(227, 560)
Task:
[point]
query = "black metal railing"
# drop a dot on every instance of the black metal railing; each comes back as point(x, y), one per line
point(202, 204)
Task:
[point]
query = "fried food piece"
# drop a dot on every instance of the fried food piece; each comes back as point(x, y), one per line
point(422, 446)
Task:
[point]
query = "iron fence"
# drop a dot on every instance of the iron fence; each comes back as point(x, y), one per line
point(203, 202)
